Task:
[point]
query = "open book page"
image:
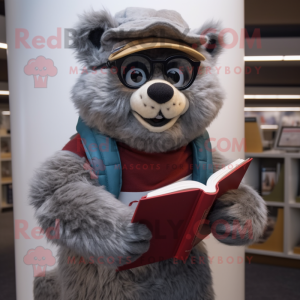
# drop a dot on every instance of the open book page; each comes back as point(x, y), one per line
point(215, 178)
point(177, 186)
point(210, 186)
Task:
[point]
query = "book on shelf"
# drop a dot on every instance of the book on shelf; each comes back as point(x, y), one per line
point(253, 135)
point(272, 237)
point(175, 214)
point(268, 180)
point(9, 194)
point(272, 182)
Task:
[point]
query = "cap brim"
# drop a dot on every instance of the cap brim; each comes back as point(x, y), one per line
point(154, 43)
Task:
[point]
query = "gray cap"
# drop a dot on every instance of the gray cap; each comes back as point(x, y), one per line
point(137, 23)
point(98, 31)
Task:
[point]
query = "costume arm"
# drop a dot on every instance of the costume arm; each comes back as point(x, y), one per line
point(90, 220)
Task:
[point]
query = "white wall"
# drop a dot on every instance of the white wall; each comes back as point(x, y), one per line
point(43, 119)
point(227, 129)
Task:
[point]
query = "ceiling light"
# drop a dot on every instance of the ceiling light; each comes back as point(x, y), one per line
point(271, 108)
point(264, 58)
point(273, 58)
point(291, 57)
point(271, 96)
point(4, 92)
point(3, 46)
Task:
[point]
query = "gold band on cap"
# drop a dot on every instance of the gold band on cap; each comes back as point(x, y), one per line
point(154, 43)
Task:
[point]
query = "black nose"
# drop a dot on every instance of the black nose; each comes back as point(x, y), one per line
point(160, 92)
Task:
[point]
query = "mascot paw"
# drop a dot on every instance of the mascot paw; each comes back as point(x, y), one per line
point(134, 241)
point(238, 217)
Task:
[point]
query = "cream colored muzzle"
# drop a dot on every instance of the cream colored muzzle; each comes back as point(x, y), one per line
point(143, 107)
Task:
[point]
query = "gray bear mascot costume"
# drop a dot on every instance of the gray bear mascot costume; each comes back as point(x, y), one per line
point(144, 106)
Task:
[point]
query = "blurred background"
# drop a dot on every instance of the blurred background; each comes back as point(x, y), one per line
point(272, 133)
point(272, 138)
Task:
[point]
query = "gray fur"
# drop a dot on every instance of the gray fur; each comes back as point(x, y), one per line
point(47, 288)
point(85, 50)
point(176, 280)
point(81, 215)
point(93, 224)
point(62, 189)
point(159, 281)
point(92, 221)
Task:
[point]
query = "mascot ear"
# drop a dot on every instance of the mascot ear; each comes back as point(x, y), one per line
point(212, 45)
point(95, 37)
point(87, 37)
point(211, 39)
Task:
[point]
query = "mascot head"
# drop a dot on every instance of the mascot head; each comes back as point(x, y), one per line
point(148, 79)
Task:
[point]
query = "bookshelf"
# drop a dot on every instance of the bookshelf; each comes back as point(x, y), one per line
point(289, 204)
point(5, 162)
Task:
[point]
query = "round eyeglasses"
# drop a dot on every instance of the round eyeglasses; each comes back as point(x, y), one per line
point(136, 69)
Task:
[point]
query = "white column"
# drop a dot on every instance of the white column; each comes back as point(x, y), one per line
point(228, 132)
point(43, 117)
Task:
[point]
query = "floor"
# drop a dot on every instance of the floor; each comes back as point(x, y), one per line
point(7, 257)
point(263, 282)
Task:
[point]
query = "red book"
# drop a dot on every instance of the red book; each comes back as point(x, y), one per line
point(175, 214)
